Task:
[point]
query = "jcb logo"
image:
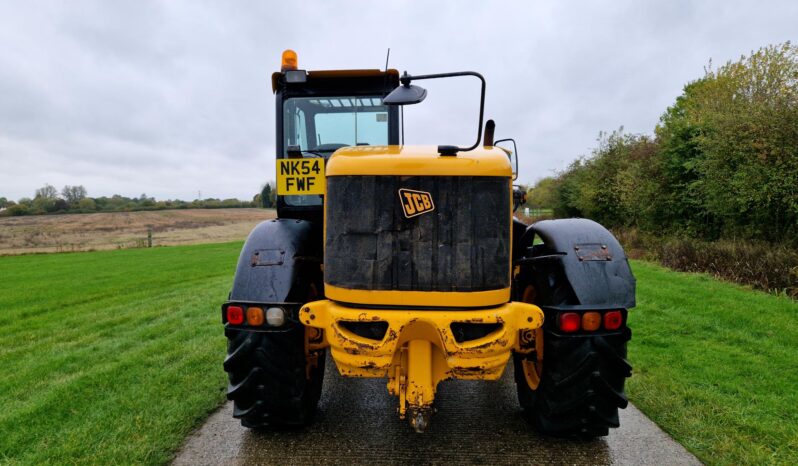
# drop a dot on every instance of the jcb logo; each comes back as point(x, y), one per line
point(415, 202)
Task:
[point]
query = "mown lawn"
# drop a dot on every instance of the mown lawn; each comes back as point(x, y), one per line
point(113, 357)
point(716, 366)
point(110, 357)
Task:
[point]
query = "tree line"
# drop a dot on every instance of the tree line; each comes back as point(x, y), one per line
point(722, 162)
point(75, 199)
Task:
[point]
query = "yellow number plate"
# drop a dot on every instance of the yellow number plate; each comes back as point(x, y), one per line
point(300, 176)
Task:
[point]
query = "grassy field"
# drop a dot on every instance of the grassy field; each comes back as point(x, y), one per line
point(716, 365)
point(121, 230)
point(110, 357)
point(113, 357)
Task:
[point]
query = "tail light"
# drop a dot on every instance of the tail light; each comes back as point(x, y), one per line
point(570, 322)
point(275, 316)
point(613, 320)
point(591, 321)
point(254, 316)
point(235, 315)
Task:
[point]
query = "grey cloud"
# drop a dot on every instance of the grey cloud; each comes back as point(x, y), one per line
point(170, 98)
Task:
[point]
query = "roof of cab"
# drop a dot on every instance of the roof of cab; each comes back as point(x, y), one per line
point(418, 161)
point(322, 74)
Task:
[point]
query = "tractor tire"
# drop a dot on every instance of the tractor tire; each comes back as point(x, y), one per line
point(268, 385)
point(581, 385)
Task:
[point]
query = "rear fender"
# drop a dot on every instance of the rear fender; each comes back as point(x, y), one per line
point(280, 261)
point(580, 264)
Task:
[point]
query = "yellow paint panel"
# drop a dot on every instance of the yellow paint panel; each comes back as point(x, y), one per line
point(419, 348)
point(419, 298)
point(418, 161)
point(296, 177)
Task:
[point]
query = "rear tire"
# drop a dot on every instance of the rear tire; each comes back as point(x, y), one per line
point(581, 385)
point(268, 382)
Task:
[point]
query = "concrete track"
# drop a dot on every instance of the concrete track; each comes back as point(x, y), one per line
point(476, 423)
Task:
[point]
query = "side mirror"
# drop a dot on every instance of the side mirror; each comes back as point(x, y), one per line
point(406, 94)
point(508, 145)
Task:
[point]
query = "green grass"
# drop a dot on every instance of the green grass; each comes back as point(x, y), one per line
point(716, 366)
point(110, 357)
point(113, 357)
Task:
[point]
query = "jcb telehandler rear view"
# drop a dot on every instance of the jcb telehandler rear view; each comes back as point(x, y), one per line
point(407, 264)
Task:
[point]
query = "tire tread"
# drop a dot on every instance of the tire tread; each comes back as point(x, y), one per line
point(581, 387)
point(267, 378)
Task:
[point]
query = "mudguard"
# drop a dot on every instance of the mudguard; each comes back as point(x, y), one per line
point(280, 259)
point(580, 263)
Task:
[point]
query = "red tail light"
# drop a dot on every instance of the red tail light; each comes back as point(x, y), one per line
point(235, 315)
point(613, 320)
point(570, 322)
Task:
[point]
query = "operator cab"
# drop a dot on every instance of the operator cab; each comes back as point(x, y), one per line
point(319, 112)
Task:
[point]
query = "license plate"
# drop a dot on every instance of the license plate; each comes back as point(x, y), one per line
point(296, 177)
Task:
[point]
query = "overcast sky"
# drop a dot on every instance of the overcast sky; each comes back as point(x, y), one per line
point(171, 98)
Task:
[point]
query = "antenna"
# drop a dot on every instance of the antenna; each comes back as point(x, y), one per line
point(385, 87)
point(385, 81)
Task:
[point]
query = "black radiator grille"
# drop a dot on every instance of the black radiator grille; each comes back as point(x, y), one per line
point(461, 245)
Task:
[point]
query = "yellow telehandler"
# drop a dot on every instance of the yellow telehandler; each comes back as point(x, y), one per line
point(406, 263)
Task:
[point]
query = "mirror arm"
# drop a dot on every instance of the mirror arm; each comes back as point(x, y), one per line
point(405, 79)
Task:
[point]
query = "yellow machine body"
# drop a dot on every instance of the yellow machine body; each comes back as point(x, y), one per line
point(419, 348)
point(418, 161)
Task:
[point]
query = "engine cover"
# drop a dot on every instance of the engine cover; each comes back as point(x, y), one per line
point(418, 233)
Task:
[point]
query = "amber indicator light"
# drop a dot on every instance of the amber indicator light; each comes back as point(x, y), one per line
point(591, 321)
point(255, 316)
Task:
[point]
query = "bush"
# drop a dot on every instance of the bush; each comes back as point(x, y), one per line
point(16, 210)
point(723, 162)
point(87, 204)
point(762, 265)
point(765, 266)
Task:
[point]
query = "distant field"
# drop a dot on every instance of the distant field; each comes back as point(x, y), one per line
point(122, 230)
